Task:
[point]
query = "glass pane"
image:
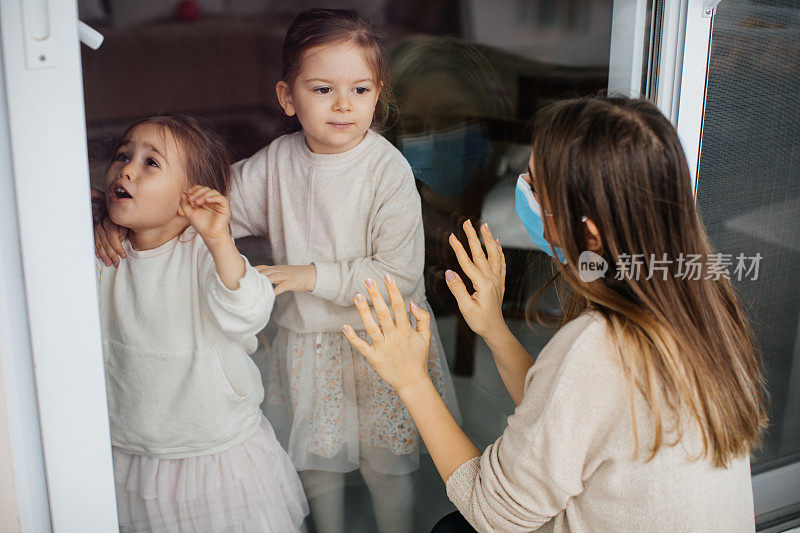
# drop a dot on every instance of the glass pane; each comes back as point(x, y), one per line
point(749, 189)
point(467, 75)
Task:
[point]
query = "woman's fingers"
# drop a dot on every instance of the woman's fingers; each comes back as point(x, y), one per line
point(358, 343)
point(397, 304)
point(491, 249)
point(502, 264)
point(381, 309)
point(469, 268)
point(478, 257)
point(370, 325)
point(423, 320)
point(459, 290)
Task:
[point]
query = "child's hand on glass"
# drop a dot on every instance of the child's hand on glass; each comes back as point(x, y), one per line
point(398, 353)
point(482, 309)
point(208, 212)
point(295, 278)
point(108, 237)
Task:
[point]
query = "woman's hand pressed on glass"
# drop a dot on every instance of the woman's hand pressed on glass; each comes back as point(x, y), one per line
point(482, 309)
point(399, 352)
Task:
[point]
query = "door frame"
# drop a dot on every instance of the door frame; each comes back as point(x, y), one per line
point(53, 365)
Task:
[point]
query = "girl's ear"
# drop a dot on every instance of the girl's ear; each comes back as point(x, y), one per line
point(285, 98)
point(180, 209)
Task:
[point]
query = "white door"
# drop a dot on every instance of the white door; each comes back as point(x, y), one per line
point(49, 324)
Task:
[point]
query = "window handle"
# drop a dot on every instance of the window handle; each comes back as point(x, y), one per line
point(89, 36)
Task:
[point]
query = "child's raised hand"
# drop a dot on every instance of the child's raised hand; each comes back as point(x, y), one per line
point(482, 310)
point(108, 238)
point(208, 212)
point(296, 278)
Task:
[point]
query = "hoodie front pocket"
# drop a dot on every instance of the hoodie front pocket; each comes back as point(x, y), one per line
point(165, 399)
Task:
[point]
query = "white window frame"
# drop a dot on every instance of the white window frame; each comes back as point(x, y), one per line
point(682, 64)
point(52, 366)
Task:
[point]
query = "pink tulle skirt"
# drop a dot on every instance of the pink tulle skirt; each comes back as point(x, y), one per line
point(252, 487)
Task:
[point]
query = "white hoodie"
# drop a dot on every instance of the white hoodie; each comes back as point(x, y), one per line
point(176, 341)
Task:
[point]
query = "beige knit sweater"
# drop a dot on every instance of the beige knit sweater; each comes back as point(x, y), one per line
point(355, 215)
point(565, 461)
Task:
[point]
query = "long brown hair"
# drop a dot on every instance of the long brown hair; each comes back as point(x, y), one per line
point(207, 155)
point(319, 27)
point(685, 344)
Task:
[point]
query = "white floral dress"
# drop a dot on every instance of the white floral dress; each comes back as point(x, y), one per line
point(330, 408)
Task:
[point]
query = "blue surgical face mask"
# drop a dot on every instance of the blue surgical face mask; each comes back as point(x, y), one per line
point(530, 212)
point(449, 160)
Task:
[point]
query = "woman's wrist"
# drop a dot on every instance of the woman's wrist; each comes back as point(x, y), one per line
point(498, 336)
point(416, 390)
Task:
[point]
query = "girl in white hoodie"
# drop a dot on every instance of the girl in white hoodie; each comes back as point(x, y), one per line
point(192, 450)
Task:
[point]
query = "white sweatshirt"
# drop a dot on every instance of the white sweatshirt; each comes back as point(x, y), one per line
point(176, 341)
point(354, 215)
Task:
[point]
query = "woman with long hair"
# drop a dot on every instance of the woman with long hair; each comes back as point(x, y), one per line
point(640, 413)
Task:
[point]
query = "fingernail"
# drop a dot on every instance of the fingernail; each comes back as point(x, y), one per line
point(346, 329)
point(469, 223)
point(497, 241)
point(485, 226)
point(449, 275)
point(370, 283)
point(360, 298)
point(413, 304)
point(388, 278)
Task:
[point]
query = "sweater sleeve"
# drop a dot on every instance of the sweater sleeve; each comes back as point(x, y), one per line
point(240, 313)
point(248, 196)
point(553, 443)
point(397, 243)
